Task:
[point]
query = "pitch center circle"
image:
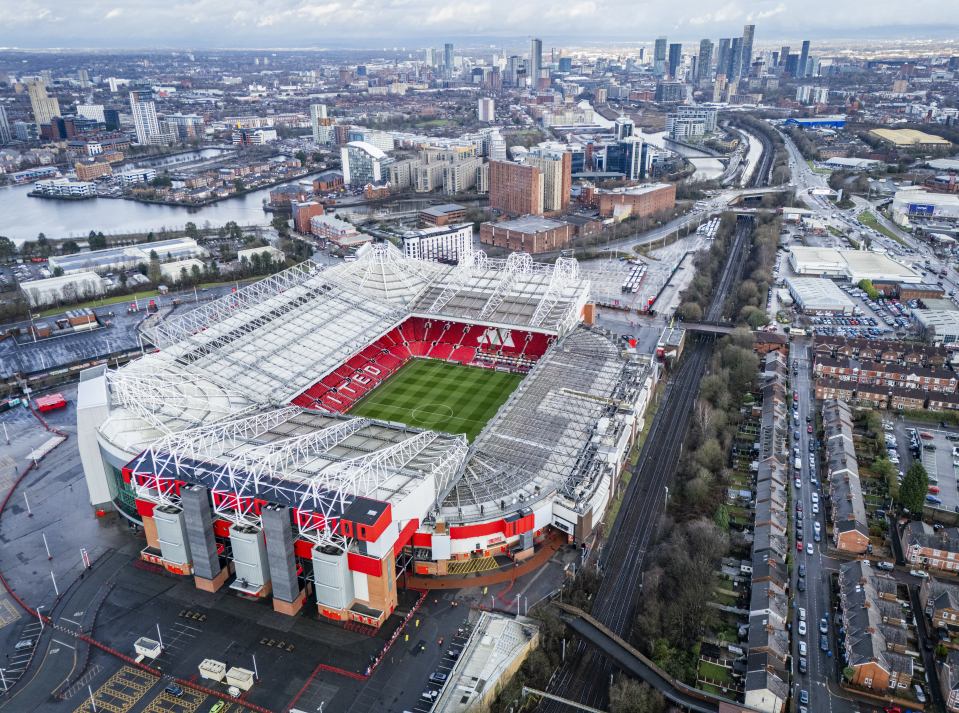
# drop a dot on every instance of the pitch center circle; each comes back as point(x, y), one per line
point(431, 412)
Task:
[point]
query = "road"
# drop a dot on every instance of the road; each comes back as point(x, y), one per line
point(818, 565)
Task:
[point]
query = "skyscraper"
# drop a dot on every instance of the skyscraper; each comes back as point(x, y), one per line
point(535, 61)
point(144, 115)
point(44, 106)
point(659, 57)
point(747, 50)
point(322, 125)
point(5, 135)
point(803, 59)
point(704, 61)
point(783, 54)
point(734, 69)
point(675, 59)
point(448, 59)
point(486, 109)
point(722, 57)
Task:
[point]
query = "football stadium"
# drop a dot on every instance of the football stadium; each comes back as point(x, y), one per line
point(314, 436)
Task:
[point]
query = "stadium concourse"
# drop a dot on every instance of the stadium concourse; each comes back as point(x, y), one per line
point(237, 448)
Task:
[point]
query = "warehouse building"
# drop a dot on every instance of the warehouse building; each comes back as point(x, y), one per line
point(917, 203)
point(816, 295)
point(852, 265)
point(911, 139)
point(938, 326)
point(66, 288)
point(128, 257)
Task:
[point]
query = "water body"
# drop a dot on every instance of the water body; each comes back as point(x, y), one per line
point(706, 168)
point(23, 217)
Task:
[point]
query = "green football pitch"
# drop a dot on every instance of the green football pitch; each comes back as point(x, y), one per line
point(439, 396)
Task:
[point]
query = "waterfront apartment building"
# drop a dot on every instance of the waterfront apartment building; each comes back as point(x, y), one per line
point(446, 243)
point(44, 107)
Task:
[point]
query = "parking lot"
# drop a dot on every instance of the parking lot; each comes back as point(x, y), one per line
point(938, 449)
point(433, 686)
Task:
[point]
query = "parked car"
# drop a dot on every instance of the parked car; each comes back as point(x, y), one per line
point(887, 566)
point(922, 574)
point(803, 667)
point(438, 677)
point(809, 548)
point(802, 632)
point(823, 642)
point(174, 690)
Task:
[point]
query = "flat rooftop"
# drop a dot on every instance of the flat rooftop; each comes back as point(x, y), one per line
point(529, 224)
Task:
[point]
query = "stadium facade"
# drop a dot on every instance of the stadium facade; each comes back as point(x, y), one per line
point(232, 445)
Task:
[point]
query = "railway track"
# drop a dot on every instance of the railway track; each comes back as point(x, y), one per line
point(587, 677)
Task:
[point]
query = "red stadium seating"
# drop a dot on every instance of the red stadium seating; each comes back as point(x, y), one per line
point(434, 338)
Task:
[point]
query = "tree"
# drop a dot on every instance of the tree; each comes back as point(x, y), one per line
point(154, 273)
point(628, 695)
point(7, 248)
point(70, 247)
point(915, 485)
point(58, 271)
point(191, 231)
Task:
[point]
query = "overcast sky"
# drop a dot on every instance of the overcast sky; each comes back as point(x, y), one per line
point(413, 23)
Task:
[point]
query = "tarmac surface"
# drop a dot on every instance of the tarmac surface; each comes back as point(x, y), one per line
point(299, 660)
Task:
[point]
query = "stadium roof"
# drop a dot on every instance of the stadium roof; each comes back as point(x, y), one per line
point(215, 399)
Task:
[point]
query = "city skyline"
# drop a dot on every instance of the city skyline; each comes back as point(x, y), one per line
point(296, 24)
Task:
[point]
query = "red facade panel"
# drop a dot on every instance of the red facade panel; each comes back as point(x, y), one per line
point(145, 507)
point(480, 529)
point(364, 564)
point(303, 549)
point(406, 534)
point(422, 539)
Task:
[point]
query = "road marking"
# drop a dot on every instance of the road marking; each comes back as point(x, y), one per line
point(63, 644)
point(75, 623)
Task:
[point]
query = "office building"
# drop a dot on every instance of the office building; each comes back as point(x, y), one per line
point(722, 57)
point(363, 163)
point(447, 243)
point(92, 111)
point(792, 65)
point(704, 60)
point(486, 109)
point(566, 64)
point(144, 115)
point(623, 127)
point(515, 188)
point(659, 57)
point(637, 201)
point(631, 157)
point(675, 59)
point(802, 70)
point(535, 61)
point(556, 167)
point(6, 136)
point(321, 124)
point(44, 106)
point(303, 212)
point(734, 68)
point(747, 50)
point(528, 234)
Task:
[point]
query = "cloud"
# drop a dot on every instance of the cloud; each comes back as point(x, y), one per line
point(297, 23)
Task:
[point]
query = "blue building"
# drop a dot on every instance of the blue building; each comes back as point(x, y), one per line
point(818, 122)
